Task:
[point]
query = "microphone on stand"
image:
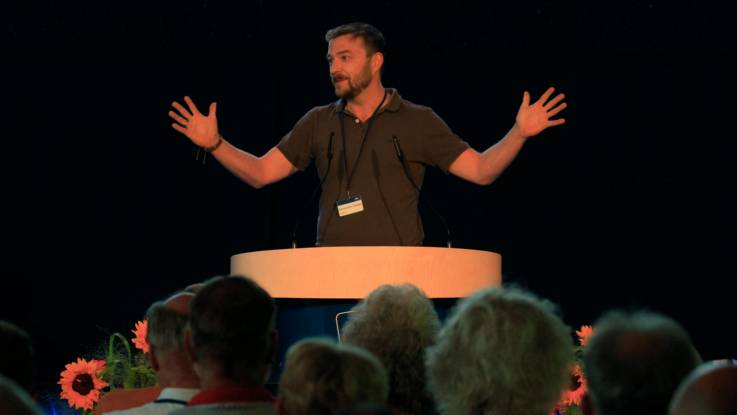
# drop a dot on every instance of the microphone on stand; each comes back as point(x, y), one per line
point(400, 156)
point(314, 193)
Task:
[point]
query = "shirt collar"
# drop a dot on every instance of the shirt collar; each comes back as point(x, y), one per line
point(177, 394)
point(232, 394)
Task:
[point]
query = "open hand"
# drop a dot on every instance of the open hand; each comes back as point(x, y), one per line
point(533, 119)
point(201, 129)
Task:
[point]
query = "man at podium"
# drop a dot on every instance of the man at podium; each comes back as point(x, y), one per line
point(370, 147)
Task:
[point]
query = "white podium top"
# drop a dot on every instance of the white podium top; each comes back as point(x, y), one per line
point(354, 271)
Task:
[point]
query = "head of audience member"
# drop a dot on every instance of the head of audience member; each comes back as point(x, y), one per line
point(711, 389)
point(502, 351)
point(634, 362)
point(16, 355)
point(397, 323)
point(232, 334)
point(14, 400)
point(167, 323)
point(321, 377)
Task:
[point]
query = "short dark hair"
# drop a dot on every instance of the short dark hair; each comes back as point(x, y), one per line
point(231, 322)
point(635, 361)
point(371, 36)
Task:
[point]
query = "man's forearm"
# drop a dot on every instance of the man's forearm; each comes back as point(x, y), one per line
point(498, 157)
point(242, 164)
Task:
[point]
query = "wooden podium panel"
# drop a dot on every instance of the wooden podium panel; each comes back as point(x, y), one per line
point(351, 272)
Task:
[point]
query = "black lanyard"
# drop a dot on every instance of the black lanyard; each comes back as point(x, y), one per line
point(360, 149)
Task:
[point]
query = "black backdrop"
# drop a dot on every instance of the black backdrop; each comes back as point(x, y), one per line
point(630, 204)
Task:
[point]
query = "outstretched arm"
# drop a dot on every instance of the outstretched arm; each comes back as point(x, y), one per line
point(484, 168)
point(202, 130)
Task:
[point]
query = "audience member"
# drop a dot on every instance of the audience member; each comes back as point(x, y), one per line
point(232, 341)
point(14, 400)
point(397, 324)
point(711, 389)
point(174, 373)
point(502, 351)
point(323, 378)
point(634, 362)
point(16, 355)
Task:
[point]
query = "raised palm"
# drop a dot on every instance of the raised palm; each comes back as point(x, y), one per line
point(533, 119)
point(201, 129)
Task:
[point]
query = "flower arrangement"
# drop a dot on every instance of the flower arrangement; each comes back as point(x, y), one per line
point(84, 382)
point(570, 402)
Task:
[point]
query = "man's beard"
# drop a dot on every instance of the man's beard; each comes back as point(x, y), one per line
point(356, 85)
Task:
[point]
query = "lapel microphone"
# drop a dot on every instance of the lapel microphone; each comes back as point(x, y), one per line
point(314, 193)
point(400, 156)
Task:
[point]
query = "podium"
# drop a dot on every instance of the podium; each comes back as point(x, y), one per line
point(351, 272)
point(312, 286)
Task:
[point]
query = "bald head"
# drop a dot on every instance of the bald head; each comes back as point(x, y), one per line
point(710, 390)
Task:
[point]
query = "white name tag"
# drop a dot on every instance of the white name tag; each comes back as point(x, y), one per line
point(349, 206)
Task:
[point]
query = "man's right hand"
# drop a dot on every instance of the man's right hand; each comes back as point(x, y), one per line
point(201, 129)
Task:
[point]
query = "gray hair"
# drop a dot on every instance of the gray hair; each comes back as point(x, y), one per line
point(502, 351)
point(635, 361)
point(396, 324)
point(321, 377)
point(165, 327)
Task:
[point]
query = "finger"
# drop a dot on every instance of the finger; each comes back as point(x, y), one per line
point(546, 95)
point(554, 101)
point(213, 109)
point(179, 128)
point(177, 118)
point(177, 106)
point(191, 105)
point(559, 121)
point(557, 109)
point(525, 99)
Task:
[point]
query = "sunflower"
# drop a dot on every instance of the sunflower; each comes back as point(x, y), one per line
point(140, 340)
point(81, 383)
point(578, 387)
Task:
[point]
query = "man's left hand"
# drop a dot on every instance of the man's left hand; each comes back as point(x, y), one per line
point(533, 119)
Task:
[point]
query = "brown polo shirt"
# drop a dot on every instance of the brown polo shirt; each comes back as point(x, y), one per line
point(390, 215)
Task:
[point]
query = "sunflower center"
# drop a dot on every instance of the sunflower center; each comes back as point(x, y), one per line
point(575, 382)
point(83, 384)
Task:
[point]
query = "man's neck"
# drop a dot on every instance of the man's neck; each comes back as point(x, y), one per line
point(364, 105)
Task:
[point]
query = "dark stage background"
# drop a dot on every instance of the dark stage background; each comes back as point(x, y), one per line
point(630, 204)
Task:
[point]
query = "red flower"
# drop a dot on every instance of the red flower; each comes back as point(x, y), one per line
point(140, 340)
point(584, 334)
point(81, 383)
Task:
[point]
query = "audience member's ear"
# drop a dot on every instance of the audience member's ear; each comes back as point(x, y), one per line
point(586, 407)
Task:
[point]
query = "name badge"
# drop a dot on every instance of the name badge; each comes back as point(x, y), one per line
point(349, 206)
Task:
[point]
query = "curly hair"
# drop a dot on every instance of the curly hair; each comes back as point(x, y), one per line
point(397, 323)
point(502, 351)
point(321, 377)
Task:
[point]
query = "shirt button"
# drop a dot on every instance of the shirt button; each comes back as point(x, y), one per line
point(357, 120)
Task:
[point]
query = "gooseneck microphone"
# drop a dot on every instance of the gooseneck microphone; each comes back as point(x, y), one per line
point(400, 156)
point(314, 193)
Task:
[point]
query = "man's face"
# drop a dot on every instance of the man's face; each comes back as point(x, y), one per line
point(350, 67)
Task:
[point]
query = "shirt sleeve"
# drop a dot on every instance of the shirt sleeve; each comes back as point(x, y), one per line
point(441, 147)
point(296, 145)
